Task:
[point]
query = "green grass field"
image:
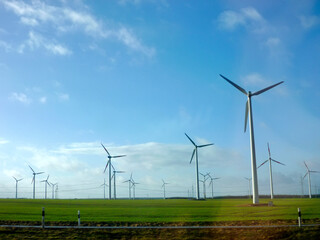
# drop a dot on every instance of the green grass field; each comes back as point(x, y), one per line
point(156, 211)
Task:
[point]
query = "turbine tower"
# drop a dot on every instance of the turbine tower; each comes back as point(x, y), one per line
point(109, 163)
point(164, 188)
point(17, 180)
point(195, 152)
point(249, 180)
point(270, 170)
point(114, 181)
point(252, 145)
point(205, 178)
point(34, 181)
point(45, 186)
point(309, 179)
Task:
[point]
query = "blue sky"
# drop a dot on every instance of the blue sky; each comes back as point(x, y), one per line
point(138, 74)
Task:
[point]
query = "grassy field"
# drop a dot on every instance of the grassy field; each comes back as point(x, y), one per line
point(157, 211)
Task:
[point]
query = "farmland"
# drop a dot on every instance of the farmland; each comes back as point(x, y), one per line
point(158, 212)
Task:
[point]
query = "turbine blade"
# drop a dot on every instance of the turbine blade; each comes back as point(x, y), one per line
point(105, 149)
point(205, 145)
point(235, 85)
point(39, 173)
point(306, 165)
point(190, 140)
point(194, 150)
point(263, 163)
point(266, 89)
point(246, 117)
point(20, 179)
point(216, 178)
point(118, 156)
point(48, 177)
point(277, 162)
point(31, 168)
point(113, 167)
point(315, 171)
point(269, 151)
point(106, 166)
point(306, 174)
point(120, 171)
point(33, 179)
point(15, 178)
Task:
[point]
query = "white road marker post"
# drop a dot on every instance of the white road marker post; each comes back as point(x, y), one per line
point(299, 217)
point(79, 218)
point(43, 214)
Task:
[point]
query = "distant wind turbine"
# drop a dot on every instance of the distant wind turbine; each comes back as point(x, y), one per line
point(17, 180)
point(195, 152)
point(309, 179)
point(130, 185)
point(205, 178)
point(134, 187)
point(252, 144)
point(270, 170)
point(249, 180)
point(34, 181)
point(109, 163)
point(164, 188)
point(104, 188)
point(211, 183)
point(52, 186)
point(45, 186)
point(114, 181)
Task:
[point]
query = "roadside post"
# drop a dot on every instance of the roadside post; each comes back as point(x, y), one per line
point(299, 217)
point(43, 214)
point(78, 218)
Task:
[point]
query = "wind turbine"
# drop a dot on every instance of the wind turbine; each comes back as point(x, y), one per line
point(45, 186)
point(130, 183)
point(109, 163)
point(309, 179)
point(270, 169)
point(114, 181)
point(134, 187)
point(195, 152)
point(104, 188)
point(53, 185)
point(253, 150)
point(211, 183)
point(249, 180)
point(164, 188)
point(34, 180)
point(205, 178)
point(17, 180)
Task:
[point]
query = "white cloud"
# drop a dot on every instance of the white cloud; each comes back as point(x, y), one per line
point(309, 21)
point(36, 41)
point(273, 42)
point(43, 100)
point(254, 79)
point(229, 20)
point(3, 141)
point(20, 97)
point(63, 96)
point(6, 46)
point(67, 20)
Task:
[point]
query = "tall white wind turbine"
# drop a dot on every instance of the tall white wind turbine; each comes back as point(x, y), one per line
point(17, 180)
point(134, 187)
point(34, 181)
point(195, 152)
point(309, 179)
point(45, 186)
point(109, 163)
point(164, 188)
point(252, 144)
point(270, 170)
point(205, 178)
point(104, 188)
